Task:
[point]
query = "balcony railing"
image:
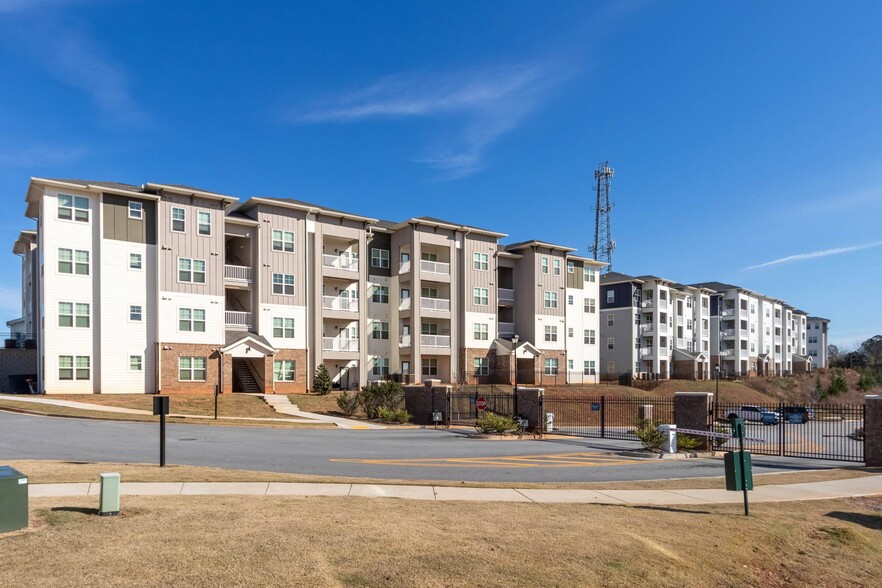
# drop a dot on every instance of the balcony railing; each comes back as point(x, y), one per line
point(435, 340)
point(646, 351)
point(744, 313)
point(705, 333)
point(238, 320)
point(727, 352)
point(506, 330)
point(680, 321)
point(662, 351)
point(646, 329)
point(435, 267)
point(341, 262)
point(505, 294)
point(404, 341)
point(663, 327)
point(339, 344)
point(339, 303)
point(647, 303)
point(743, 333)
point(237, 273)
point(728, 312)
point(662, 303)
point(726, 333)
point(680, 343)
point(434, 303)
point(404, 304)
point(704, 311)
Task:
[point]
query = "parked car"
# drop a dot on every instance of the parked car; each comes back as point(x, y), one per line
point(797, 414)
point(756, 414)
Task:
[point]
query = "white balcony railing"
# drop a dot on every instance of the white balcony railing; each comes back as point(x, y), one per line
point(505, 294)
point(506, 330)
point(341, 262)
point(435, 267)
point(646, 329)
point(663, 327)
point(705, 333)
point(435, 340)
point(404, 304)
point(404, 341)
point(340, 303)
point(237, 273)
point(680, 343)
point(743, 333)
point(778, 322)
point(646, 351)
point(704, 311)
point(680, 321)
point(663, 351)
point(727, 333)
point(662, 303)
point(237, 320)
point(647, 303)
point(339, 344)
point(728, 312)
point(434, 303)
point(744, 313)
point(404, 267)
point(727, 352)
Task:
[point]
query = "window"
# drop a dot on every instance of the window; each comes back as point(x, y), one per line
point(480, 261)
point(588, 368)
point(65, 314)
point(610, 367)
point(191, 270)
point(481, 332)
point(135, 313)
point(569, 299)
point(381, 294)
point(610, 342)
point(283, 241)
point(65, 261)
point(428, 256)
point(570, 332)
point(83, 365)
point(610, 320)
point(70, 261)
point(191, 319)
point(571, 267)
point(283, 328)
point(380, 330)
point(381, 366)
point(73, 208)
point(429, 329)
point(551, 366)
point(283, 284)
point(590, 305)
point(557, 267)
point(380, 258)
point(481, 296)
point(81, 263)
point(544, 265)
point(590, 274)
point(610, 296)
point(283, 370)
point(570, 364)
point(550, 333)
point(589, 337)
point(136, 363)
point(70, 314)
point(191, 369)
point(203, 223)
point(136, 211)
point(427, 292)
point(550, 299)
point(66, 370)
point(482, 366)
point(179, 220)
point(135, 261)
point(405, 257)
point(430, 366)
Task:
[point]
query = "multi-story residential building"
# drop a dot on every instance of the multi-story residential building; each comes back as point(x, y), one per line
point(175, 289)
point(816, 340)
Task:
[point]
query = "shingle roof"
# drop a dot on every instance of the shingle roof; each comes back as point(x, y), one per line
point(234, 336)
point(717, 286)
point(432, 219)
point(522, 244)
point(114, 185)
point(615, 277)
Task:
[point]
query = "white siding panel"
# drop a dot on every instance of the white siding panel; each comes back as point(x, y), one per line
point(170, 302)
point(477, 317)
point(265, 326)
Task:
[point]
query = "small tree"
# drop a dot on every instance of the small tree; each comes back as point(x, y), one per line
point(322, 384)
point(838, 385)
point(819, 393)
point(867, 381)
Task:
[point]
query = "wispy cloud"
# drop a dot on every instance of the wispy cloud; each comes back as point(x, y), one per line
point(37, 156)
point(815, 254)
point(483, 104)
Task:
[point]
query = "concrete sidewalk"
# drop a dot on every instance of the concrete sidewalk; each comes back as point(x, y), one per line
point(281, 404)
point(864, 486)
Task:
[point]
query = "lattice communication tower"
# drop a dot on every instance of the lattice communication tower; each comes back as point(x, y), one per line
point(603, 242)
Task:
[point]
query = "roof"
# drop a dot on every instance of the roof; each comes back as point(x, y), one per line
point(716, 286)
point(103, 184)
point(590, 260)
point(385, 224)
point(233, 337)
point(448, 224)
point(692, 355)
point(818, 318)
point(303, 205)
point(611, 277)
point(537, 243)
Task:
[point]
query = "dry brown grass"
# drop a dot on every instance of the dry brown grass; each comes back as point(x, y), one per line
point(268, 541)
point(319, 404)
point(197, 404)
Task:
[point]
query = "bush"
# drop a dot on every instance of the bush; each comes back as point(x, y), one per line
point(838, 385)
point(322, 383)
point(348, 403)
point(490, 423)
point(867, 381)
point(393, 416)
point(648, 434)
point(858, 434)
point(720, 441)
point(688, 442)
point(819, 394)
point(388, 395)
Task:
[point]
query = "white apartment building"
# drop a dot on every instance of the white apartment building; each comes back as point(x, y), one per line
point(816, 340)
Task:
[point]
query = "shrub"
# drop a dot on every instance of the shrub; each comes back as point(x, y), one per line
point(858, 434)
point(867, 381)
point(819, 394)
point(648, 434)
point(838, 385)
point(720, 441)
point(388, 395)
point(393, 416)
point(348, 403)
point(688, 442)
point(490, 423)
point(322, 383)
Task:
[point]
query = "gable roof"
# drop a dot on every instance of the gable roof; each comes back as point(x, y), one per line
point(234, 339)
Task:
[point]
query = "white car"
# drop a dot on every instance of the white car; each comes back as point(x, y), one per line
point(756, 414)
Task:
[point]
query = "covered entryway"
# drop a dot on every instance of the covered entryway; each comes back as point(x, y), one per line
point(247, 361)
point(689, 365)
point(525, 354)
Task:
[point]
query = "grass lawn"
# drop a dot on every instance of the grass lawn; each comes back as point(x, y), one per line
point(288, 541)
point(326, 404)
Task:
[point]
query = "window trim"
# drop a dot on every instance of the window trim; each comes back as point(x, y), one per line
point(140, 364)
point(74, 208)
point(284, 328)
point(182, 220)
point(479, 334)
point(283, 241)
point(192, 321)
point(549, 299)
point(200, 224)
point(140, 313)
point(282, 284)
point(284, 371)
point(481, 366)
point(480, 296)
point(193, 369)
point(192, 271)
point(140, 262)
point(139, 206)
point(480, 261)
point(379, 260)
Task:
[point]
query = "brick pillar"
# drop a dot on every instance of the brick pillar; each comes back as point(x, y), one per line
point(530, 405)
point(421, 400)
point(693, 410)
point(873, 430)
point(227, 364)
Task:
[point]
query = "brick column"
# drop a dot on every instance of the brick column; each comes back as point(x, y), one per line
point(420, 401)
point(693, 410)
point(873, 430)
point(530, 405)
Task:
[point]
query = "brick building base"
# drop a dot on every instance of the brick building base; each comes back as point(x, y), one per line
point(169, 353)
point(467, 358)
point(300, 385)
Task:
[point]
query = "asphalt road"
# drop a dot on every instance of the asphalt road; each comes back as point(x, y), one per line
point(415, 454)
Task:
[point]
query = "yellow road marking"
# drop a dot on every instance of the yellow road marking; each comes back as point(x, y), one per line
point(556, 460)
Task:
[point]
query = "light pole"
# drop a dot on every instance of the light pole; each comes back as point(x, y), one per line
point(514, 360)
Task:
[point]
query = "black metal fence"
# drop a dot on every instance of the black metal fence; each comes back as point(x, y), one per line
point(606, 418)
point(463, 406)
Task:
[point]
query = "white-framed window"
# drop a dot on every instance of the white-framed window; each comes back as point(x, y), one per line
point(136, 363)
point(610, 296)
point(481, 366)
point(571, 267)
point(588, 368)
point(283, 241)
point(481, 261)
point(73, 314)
point(283, 328)
point(550, 333)
point(590, 274)
point(381, 367)
point(283, 284)
point(135, 312)
point(590, 305)
point(380, 330)
point(429, 329)
point(550, 299)
point(570, 332)
point(610, 367)
point(610, 342)
point(482, 332)
point(544, 265)
point(589, 337)
point(135, 261)
point(203, 223)
point(191, 369)
point(191, 270)
point(75, 208)
point(191, 319)
point(569, 365)
point(136, 210)
point(481, 296)
point(430, 366)
point(74, 367)
point(610, 320)
point(380, 294)
point(178, 220)
point(283, 370)
point(570, 299)
point(557, 267)
point(72, 261)
point(380, 258)
point(551, 366)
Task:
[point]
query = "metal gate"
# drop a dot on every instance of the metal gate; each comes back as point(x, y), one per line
point(463, 410)
point(606, 418)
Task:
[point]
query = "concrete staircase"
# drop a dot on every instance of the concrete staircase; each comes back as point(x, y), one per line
point(281, 404)
point(247, 382)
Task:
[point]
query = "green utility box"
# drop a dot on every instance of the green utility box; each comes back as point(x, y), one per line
point(13, 500)
point(109, 501)
point(735, 478)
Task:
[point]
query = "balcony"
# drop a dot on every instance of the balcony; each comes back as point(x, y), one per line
point(404, 341)
point(663, 328)
point(506, 295)
point(435, 340)
point(679, 321)
point(777, 338)
point(662, 303)
point(238, 320)
point(744, 314)
point(441, 304)
point(647, 303)
point(704, 311)
point(340, 262)
point(680, 343)
point(339, 344)
point(339, 303)
point(727, 353)
point(646, 329)
point(743, 333)
point(435, 267)
point(662, 351)
point(705, 333)
point(404, 304)
point(646, 351)
point(778, 321)
point(727, 312)
point(237, 274)
point(506, 330)
point(727, 333)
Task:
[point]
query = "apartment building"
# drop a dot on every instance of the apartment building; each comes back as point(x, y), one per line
point(158, 287)
point(816, 340)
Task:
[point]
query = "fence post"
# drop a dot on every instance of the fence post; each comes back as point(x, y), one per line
point(781, 435)
point(873, 430)
point(603, 417)
point(692, 410)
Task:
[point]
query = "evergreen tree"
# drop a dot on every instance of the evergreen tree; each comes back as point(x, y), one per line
point(322, 384)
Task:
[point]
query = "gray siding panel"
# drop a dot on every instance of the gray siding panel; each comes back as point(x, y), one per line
point(118, 225)
point(188, 244)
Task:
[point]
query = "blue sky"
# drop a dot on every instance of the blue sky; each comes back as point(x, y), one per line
point(741, 133)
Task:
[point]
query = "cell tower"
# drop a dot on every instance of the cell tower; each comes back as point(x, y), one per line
point(603, 242)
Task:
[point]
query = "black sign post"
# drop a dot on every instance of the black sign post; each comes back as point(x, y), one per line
point(215, 401)
point(160, 407)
